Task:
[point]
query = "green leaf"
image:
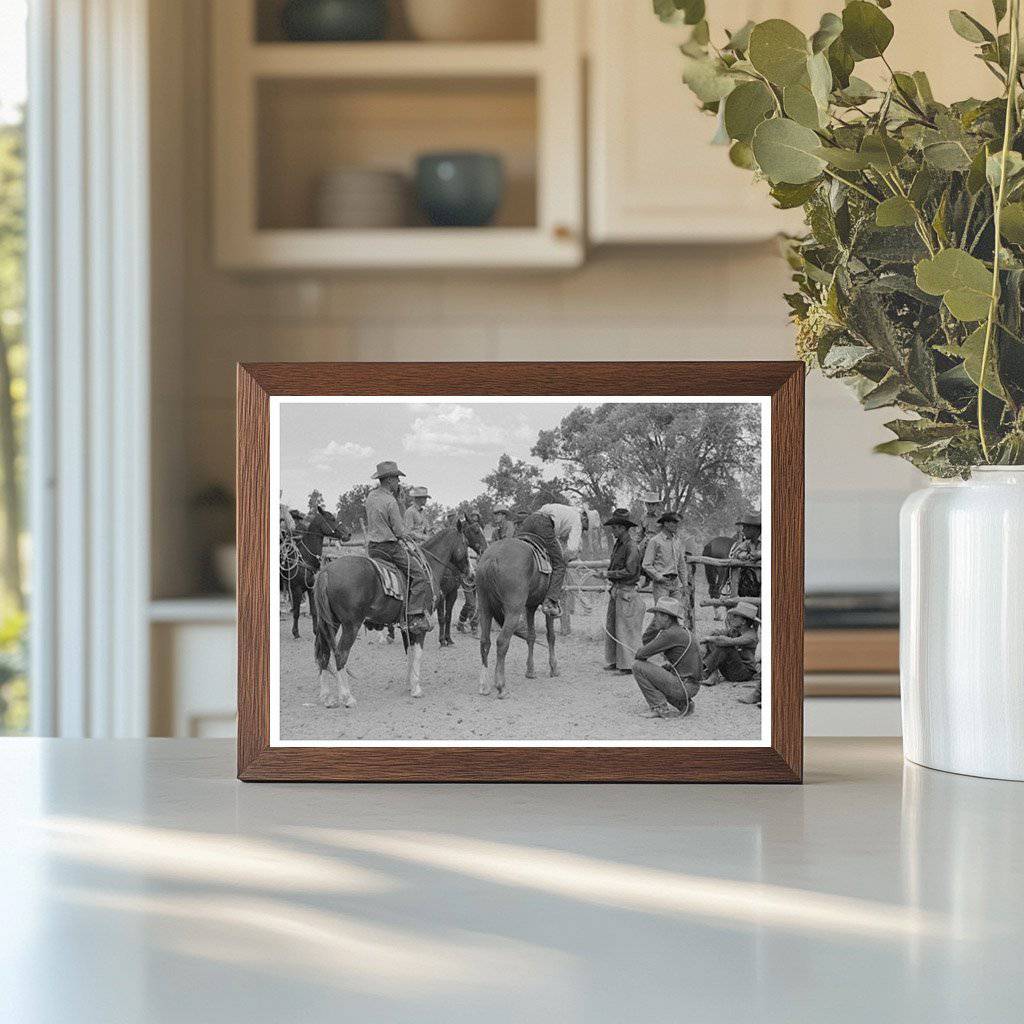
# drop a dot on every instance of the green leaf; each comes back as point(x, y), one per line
point(924, 88)
point(993, 167)
point(1012, 223)
point(969, 28)
point(999, 9)
point(829, 30)
point(895, 212)
point(923, 431)
point(895, 447)
point(922, 185)
point(788, 197)
point(690, 12)
point(947, 156)
point(739, 41)
point(801, 106)
point(866, 29)
point(885, 394)
point(971, 352)
point(963, 281)
point(883, 152)
point(976, 173)
point(707, 78)
point(819, 74)
point(741, 155)
point(745, 108)
point(779, 51)
point(857, 91)
point(787, 151)
point(841, 63)
point(844, 159)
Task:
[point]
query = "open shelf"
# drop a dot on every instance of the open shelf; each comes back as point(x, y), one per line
point(286, 114)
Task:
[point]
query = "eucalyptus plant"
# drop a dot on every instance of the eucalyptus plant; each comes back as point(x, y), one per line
point(910, 277)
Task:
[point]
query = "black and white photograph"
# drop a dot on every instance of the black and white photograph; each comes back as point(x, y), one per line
point(488, 571)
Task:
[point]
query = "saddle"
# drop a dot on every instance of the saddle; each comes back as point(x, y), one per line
point(392, 582)
point(540, 556)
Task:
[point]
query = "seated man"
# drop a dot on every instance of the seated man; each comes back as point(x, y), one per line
point(733, 654)
point(668, 688)
point(388, 540)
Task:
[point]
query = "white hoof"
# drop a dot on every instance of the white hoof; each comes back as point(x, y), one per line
point(330, 702)
point(416, 692)
point(350, 701)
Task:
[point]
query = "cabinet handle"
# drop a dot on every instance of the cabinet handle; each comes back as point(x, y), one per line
point(562, 232)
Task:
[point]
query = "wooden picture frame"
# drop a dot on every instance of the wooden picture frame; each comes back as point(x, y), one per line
point(780, 759)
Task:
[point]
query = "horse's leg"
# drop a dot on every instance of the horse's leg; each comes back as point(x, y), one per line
point(296, 589)
point(485, 647)
point(531, 639)
point(415, 655)
point(333, 685)
point(508, 629)
point(449, 607)
point(549, 622)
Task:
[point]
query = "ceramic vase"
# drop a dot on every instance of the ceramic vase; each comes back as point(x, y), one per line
point(962, 624)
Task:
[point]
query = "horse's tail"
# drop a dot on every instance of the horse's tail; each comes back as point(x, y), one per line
point(326, 628)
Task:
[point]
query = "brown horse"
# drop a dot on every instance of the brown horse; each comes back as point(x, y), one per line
point(348, 593)
point(449, 584)
point(509, 589)
point(300, 563)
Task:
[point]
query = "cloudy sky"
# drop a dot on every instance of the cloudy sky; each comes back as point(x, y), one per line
point(449, 447)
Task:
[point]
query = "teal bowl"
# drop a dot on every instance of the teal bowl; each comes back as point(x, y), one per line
point(460, 189)
point(334, 21)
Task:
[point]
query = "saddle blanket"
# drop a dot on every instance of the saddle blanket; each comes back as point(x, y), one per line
point(540, 556)
point(391, 580)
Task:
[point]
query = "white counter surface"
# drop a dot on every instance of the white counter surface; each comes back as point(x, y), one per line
point(140, 882)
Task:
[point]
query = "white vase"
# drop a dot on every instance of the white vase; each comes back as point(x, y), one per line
point(962, 624)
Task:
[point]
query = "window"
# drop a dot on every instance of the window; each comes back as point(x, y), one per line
point(14, 691)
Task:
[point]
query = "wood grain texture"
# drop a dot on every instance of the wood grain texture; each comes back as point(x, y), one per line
point(781, 762)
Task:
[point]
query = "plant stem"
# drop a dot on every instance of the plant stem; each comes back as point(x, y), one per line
point(1011, 108)
point(853, 185)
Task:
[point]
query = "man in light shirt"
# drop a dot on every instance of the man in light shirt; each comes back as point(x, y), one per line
point(664, 561)
point(559, 530)
point(416, 524)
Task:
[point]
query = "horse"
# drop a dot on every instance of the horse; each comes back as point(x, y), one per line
point(299, 568)
point(509, 588)
point(348, 593)
point(449, 585)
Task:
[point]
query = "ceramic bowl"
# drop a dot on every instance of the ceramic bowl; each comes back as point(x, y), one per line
point(471, 20)
point(359, 197)
point(460, 189)
point(333, 21)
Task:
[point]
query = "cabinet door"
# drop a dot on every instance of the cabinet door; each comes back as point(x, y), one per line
point(654, 177)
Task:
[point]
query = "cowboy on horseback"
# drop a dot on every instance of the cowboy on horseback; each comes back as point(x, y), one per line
point(388, 540)
point(553, 526)
point(416, 524)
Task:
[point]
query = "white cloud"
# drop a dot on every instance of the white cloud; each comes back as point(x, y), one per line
point(333, 452)
point(459, 430)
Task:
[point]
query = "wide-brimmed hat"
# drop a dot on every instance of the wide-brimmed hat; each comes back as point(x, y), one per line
point(387, 469)
point(749, 519)
point(419, 492)
point(747, 610)
point(620, 517)
point(651, 498)
point(503, 509)
point(669, 517)
point(668, 605)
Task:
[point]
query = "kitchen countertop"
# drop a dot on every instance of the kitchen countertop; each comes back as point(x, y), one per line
point(140, 882)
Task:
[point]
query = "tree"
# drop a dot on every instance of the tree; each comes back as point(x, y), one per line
point(521, 484)
point(316, 499)
point(350, 507)
point(580, 444)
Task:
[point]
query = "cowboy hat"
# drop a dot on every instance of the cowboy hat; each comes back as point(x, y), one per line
point(386, 469)
point(747, 610)
point(503, 509)
point(668, 605)
point(620, 517)
point(651, 498)
point(749, 519)
point(419, 492)
point(669, 517)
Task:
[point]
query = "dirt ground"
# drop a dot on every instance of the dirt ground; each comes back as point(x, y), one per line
point(583, 703)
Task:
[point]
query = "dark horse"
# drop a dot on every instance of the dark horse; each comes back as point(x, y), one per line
point(509, 588)
point(301, 563)
point(448, 586)
point(348, 593)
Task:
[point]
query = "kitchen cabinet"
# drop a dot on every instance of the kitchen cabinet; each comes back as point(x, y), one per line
point(287, 114)
point(654, 177)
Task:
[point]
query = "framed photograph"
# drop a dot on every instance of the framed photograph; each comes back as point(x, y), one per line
point(578, 572)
